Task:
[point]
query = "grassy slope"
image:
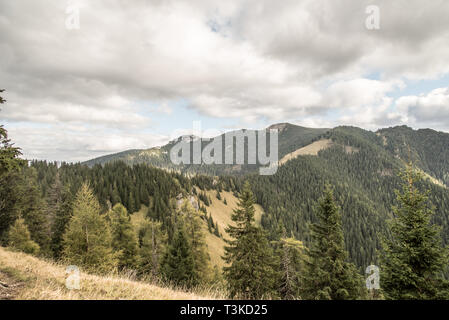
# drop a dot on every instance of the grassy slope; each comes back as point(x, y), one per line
point(291, 138)
point(311, 149)
point(44, 280)
point(221, 213)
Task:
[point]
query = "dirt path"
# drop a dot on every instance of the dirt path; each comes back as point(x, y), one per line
point(9, 287)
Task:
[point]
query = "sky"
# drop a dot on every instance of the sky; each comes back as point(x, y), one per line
point(89, 78)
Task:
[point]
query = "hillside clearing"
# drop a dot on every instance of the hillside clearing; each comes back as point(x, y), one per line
point(221, 213)
point(36, 279)
point(311, 149)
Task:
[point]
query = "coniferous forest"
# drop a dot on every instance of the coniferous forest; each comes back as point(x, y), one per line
point(326, 218)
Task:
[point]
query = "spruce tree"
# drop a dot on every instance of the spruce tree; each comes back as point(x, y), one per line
point(250, 273)
point(54, 195)
point(328, 275)
point(9, 155)
point(124, 238)
point(194, 227)
point(10, 164)
point(216, 231)
point(413, 259)
point(9, 200)
point(31, 207)
point(178, 265)
point(59, 212)
point(88, 240)
point(290, 252)
point(152, 248)
point(20, 239)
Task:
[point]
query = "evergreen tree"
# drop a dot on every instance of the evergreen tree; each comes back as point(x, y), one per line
point(131, 203)
point(413, 260)
point(20, 196)
point(31, 207)
point(193, 225)
point(210, 223)
point(124, 238)
point(10, 163)
point(153, 246)
point(54, 200)
point(178, 265)
point(250, 273)
point(9, 155)
point(59, 211)
point(88, 240)
point(290, 252)
point(9, 203)
point(217, 231)
point(328, 275)
point(20, 239)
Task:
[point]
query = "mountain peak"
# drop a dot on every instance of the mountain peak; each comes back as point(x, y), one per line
point(280, 126)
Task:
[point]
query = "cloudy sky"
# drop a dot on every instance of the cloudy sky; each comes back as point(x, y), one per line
point(133, 74)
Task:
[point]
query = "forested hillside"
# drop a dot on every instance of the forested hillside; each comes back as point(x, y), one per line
point(361, 165)
point(327, 208)
point(364, 178)
point(291, 137)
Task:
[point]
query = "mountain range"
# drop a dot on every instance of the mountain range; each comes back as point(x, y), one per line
point(361, 166)
point(426, 148)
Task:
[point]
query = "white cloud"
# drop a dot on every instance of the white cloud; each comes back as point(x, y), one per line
point(358, 93)
point(73, 143)
point(430, 109)
point(254, 60)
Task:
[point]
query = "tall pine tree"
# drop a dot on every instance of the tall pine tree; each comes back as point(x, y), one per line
point(178, 265)
point(31, 207)
point(9, 155)
point(413, 259)
point(153, 246)
point(328, 275)
point(194, 227)
point(88, 240)
point(124, 238)
point(59, 212)
point(10, 163)
point(250, 273)
point(290, 252)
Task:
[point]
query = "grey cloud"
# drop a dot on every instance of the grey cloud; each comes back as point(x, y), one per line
point(430, 109)
point(264, 59)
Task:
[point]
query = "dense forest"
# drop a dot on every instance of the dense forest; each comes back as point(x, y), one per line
point(326, 218)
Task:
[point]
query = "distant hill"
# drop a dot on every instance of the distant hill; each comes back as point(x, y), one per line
point(427, 148)
point(291, 137)
point(362, 166)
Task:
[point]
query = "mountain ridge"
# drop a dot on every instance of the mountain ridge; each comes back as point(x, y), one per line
point(361, 166)
point(291, 139)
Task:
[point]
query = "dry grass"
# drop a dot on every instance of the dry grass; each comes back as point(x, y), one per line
point(221, 213)
point(45, 280)
point(311, 149)
point(432, 179)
